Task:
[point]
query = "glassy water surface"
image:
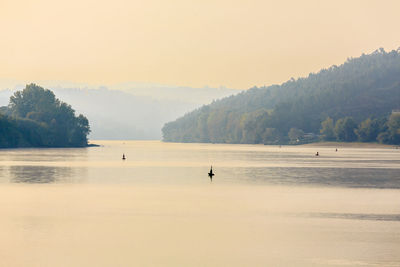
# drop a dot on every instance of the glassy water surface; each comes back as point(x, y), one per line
point(266, 206)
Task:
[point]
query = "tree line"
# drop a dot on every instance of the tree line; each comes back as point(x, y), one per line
point(382, 130)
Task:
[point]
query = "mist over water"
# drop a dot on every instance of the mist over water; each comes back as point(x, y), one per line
point(266, 206)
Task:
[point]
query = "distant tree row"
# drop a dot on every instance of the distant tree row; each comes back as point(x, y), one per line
point(36, 118)
point(370, 130)
point(361, 88)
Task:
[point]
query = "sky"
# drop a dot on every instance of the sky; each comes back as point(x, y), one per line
point(237, 44)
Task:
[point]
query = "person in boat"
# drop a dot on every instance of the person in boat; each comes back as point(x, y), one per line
point(211, 174)
point(317, 154)
point(123, 157)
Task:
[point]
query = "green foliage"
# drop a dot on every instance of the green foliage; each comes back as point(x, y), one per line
point(361, 88)
point(345, 130)
point(34, 103)
point(327, 130)
point(295, 135)
point(392, 134)
point(39, 119)
point(369, 129)
point(271, 137)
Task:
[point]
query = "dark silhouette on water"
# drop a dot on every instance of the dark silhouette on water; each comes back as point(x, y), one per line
point(336, 149)
point(211, 174)
point(317, 154)
point(123, 157)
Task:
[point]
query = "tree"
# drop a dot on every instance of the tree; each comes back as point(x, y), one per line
point(368, 130)
point(392, 135)
point(327, 129)
point(271, 136)
point(34, 100)
point(295, 135)
point(344, 129)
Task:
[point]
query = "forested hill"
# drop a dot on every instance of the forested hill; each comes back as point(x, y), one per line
point(367, 87)
point(36, 118)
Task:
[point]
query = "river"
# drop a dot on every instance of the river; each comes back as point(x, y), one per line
point(266, 205)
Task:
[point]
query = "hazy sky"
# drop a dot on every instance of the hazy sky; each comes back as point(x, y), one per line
point(230, 43)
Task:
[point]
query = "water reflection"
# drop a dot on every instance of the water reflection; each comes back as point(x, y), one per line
point(44, 174)
point(43, 154)
point(2, 170)
point(356, 216)
point(336, 177)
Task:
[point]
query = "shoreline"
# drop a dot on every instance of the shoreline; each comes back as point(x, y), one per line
point(48, 147)
point(315, 144)
point(349, 144)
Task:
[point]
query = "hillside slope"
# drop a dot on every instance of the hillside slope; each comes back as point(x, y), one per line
point(361, 88)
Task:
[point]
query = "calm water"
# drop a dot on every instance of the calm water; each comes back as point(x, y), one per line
point(266, 206)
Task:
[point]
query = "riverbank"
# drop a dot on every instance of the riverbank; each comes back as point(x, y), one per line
point(350, 144)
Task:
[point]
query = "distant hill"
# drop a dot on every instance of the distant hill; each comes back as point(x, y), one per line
point(183, 94)
point(134, 111)
point(361, 88)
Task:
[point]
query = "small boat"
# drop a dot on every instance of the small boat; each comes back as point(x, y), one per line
point(123, 157)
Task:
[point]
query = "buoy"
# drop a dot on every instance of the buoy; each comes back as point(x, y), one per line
point(211, 174)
